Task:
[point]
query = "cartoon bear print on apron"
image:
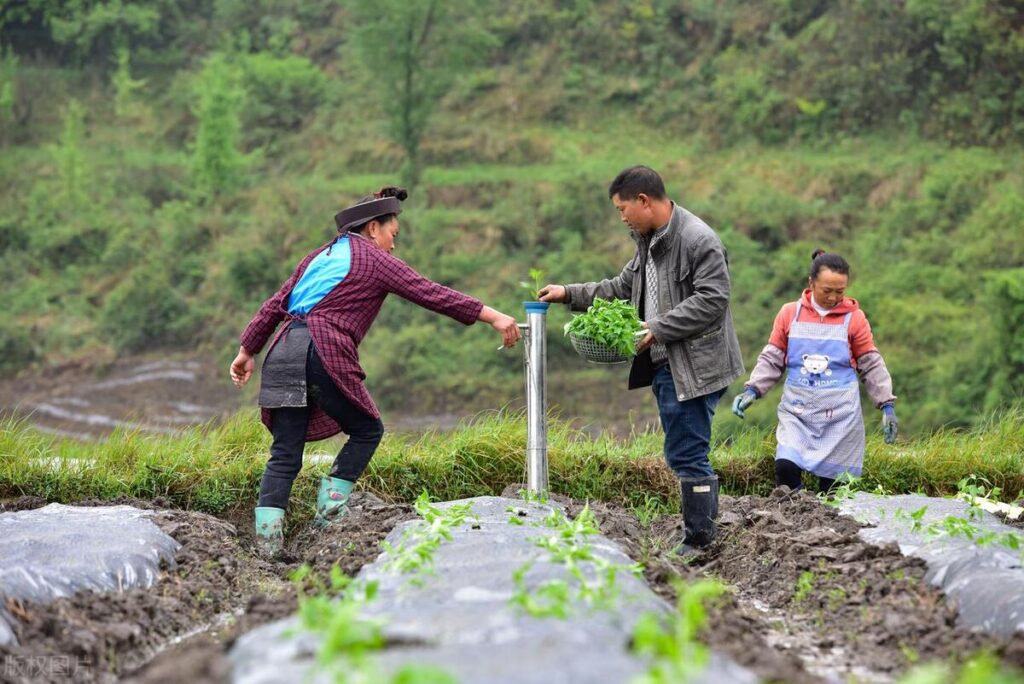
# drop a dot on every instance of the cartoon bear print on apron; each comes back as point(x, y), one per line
point(821, 428)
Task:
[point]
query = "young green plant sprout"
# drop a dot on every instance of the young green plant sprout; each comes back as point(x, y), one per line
point(532, 497)
point(517, 515)
point(414, 552)
point(335, 613)
point(537, 276)
point(956, 526)
point(348, 638)
point(671, 643)
point(568, 546)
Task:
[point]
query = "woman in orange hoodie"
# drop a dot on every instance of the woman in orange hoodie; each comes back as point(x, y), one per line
point(824, 342)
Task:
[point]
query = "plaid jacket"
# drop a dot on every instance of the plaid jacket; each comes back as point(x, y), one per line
point(338, 323)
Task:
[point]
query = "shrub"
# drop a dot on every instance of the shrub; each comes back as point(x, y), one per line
point(144, 311)
point(282, 91)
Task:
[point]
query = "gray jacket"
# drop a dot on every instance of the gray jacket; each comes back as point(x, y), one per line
point(693, 290)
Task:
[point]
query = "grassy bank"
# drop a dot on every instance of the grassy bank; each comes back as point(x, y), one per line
point(217, 468)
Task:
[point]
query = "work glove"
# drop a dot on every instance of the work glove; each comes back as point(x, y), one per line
point(743, 401)
point(890, 426)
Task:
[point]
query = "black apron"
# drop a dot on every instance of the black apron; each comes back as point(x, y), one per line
point(283, 381)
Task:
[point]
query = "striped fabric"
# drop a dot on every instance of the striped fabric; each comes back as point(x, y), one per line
point(659, 354)
point(338, 323)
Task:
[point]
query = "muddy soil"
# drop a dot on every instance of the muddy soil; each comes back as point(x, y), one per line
point(350, 543)
point(810, 599)
point(217, 587)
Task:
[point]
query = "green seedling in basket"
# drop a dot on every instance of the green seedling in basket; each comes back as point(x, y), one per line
point(610, 323)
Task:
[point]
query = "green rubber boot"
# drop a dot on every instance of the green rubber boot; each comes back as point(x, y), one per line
point(269, 531)
point(331, 501)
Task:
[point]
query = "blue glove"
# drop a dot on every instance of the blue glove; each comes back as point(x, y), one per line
point(743, 401)
point(890, 426)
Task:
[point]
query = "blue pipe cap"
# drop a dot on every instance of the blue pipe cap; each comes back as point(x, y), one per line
point(537, 307)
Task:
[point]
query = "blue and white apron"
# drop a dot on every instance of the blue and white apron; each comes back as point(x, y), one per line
point(821, 428)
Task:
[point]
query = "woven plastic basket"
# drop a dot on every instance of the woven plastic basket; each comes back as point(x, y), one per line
point(595, 352)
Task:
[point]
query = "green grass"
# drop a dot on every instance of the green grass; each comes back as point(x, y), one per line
point(215, 468)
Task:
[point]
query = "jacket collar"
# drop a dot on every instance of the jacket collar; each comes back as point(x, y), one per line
point(841, 309)
point(672, 230)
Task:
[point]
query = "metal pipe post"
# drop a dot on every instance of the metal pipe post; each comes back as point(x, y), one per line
point(536, 351)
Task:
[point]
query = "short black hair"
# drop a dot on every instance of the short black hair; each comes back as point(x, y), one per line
point(635, 180)
point(821, 259)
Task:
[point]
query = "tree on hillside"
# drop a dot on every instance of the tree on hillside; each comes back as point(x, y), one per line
point(1005, 298)
point(217, 161)
point(8, 91)
point(92, 28)
point(413, 52)
point(126, 88)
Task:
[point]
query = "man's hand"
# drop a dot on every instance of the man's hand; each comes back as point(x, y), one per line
point(743, 401)
point(646, 341)
point(241, 367)
point(890, 426)
point(553, 293)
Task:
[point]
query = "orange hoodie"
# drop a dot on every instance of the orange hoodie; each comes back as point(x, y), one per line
point(861, 341)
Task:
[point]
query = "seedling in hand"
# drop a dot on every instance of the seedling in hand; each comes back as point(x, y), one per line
point(534, 288)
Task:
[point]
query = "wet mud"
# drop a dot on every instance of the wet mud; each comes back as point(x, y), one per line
point(810, 600)
point(179, 629)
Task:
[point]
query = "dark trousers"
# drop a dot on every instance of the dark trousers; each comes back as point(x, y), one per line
point(687, 426)
point(288, 426)
point(790, 474)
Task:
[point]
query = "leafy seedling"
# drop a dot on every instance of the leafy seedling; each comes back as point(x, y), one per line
point(537, 276)
point(610, 323)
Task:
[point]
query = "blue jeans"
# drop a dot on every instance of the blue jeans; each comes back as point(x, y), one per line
point(687, 426)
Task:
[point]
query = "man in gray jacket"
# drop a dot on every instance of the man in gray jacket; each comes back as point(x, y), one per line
point(678, 280)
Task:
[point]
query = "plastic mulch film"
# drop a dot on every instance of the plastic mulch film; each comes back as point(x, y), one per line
point(59, 550)
point(969, 553)
point(458, 618)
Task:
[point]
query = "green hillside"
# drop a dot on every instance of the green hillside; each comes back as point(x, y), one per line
point(163, 165)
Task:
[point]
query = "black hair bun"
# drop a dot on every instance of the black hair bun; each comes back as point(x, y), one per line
point(817, 253)
point(392, 191)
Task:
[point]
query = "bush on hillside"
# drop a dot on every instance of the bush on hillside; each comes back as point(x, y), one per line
point(144, 312)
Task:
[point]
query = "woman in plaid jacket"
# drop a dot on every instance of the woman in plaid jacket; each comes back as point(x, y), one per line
point(312, 384)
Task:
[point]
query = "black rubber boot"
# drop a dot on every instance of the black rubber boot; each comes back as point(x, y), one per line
point(700, 508)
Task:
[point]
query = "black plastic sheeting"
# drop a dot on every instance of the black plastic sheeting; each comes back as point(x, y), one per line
point(986, 581)
point(59, 550)
point(459, 619)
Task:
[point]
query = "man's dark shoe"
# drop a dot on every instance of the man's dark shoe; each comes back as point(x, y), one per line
point(700, 508)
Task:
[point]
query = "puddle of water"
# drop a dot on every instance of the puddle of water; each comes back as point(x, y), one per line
point(830, 664)
point(183, 375)
point(54, 463)
point(59, 432)
point(154, 365)
point(96, 420)
point(73, 401)
point(185, 407)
